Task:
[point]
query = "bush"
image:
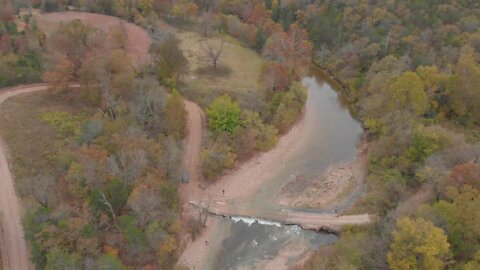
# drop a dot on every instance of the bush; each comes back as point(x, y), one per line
point(262, 136)
point(110, 261)
point(290, 107)
point(63, 122)
point(175, 115)
point(90, 130)
point(216, 159)
point(224, 115)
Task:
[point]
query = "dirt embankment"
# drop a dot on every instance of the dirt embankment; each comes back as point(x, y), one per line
point(326, 190)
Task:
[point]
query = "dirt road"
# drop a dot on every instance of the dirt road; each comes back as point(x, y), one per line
point(15, 254)
point(193, 147)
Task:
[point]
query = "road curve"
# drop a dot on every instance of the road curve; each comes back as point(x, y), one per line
point(14, 250)
point(15, 253)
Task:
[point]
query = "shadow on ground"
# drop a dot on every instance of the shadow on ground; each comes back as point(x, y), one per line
point(220, 71)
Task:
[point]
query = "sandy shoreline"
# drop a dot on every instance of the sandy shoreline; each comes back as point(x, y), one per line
point(328, 189)
point(235, 186)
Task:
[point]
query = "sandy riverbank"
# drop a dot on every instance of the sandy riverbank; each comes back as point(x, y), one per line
point(328, 189)
point(235, 186)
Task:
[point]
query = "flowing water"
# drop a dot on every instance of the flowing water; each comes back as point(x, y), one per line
point(330, 137)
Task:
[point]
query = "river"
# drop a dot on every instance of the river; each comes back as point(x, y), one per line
point(330, 136)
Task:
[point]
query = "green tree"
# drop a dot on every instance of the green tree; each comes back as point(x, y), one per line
point(72, 40)
point(464, 97)
point(290, 107)
point(134, 236)
point(224, 114)
point(426, 141)
point(167, 57)
point(175, 115)
point(460, 212)
point(111, 262)
point(258, 134)
point(407, 92)
point(216, 159)
point(417, 244)
point(58, 259)
point(473, 264)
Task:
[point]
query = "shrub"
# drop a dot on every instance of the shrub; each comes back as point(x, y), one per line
point(216, 159)
point(224, 115)
point(63, 122)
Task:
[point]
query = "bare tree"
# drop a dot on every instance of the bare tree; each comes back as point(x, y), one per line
point(110, 100)
point(109, 208)
point(207, 21)
point(41, 187)
point(212, 51)
point(129, 163)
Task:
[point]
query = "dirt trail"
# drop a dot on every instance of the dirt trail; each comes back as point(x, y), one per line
point(15, 254)
point(193, 147)
point(14, 250)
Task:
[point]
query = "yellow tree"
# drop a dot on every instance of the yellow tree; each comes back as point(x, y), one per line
point(417, 244)
point(406, 92)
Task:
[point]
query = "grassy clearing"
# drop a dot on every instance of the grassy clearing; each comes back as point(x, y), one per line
point(237, 73)
point(34, 145)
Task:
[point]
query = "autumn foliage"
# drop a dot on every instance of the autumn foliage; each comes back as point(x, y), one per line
point(274, 76)
point(291, 48)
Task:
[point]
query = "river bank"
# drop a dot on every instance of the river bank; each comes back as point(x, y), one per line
point(325, 137)
point(327, 190)
point(236, 186)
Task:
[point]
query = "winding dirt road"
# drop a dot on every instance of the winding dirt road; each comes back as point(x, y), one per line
point(15, 253)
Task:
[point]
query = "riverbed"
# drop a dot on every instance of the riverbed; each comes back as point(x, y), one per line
point(329, 136)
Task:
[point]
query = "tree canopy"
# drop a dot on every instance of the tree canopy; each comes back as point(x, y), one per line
point(417, 244)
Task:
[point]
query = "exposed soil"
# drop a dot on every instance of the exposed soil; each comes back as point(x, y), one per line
point(323, 192)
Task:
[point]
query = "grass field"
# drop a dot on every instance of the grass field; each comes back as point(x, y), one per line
point(237, 72)
point(34, 146)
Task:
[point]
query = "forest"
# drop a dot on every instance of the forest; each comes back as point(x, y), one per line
point(110, 149)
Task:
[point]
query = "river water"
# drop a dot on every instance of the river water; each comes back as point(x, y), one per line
point(330, 137)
